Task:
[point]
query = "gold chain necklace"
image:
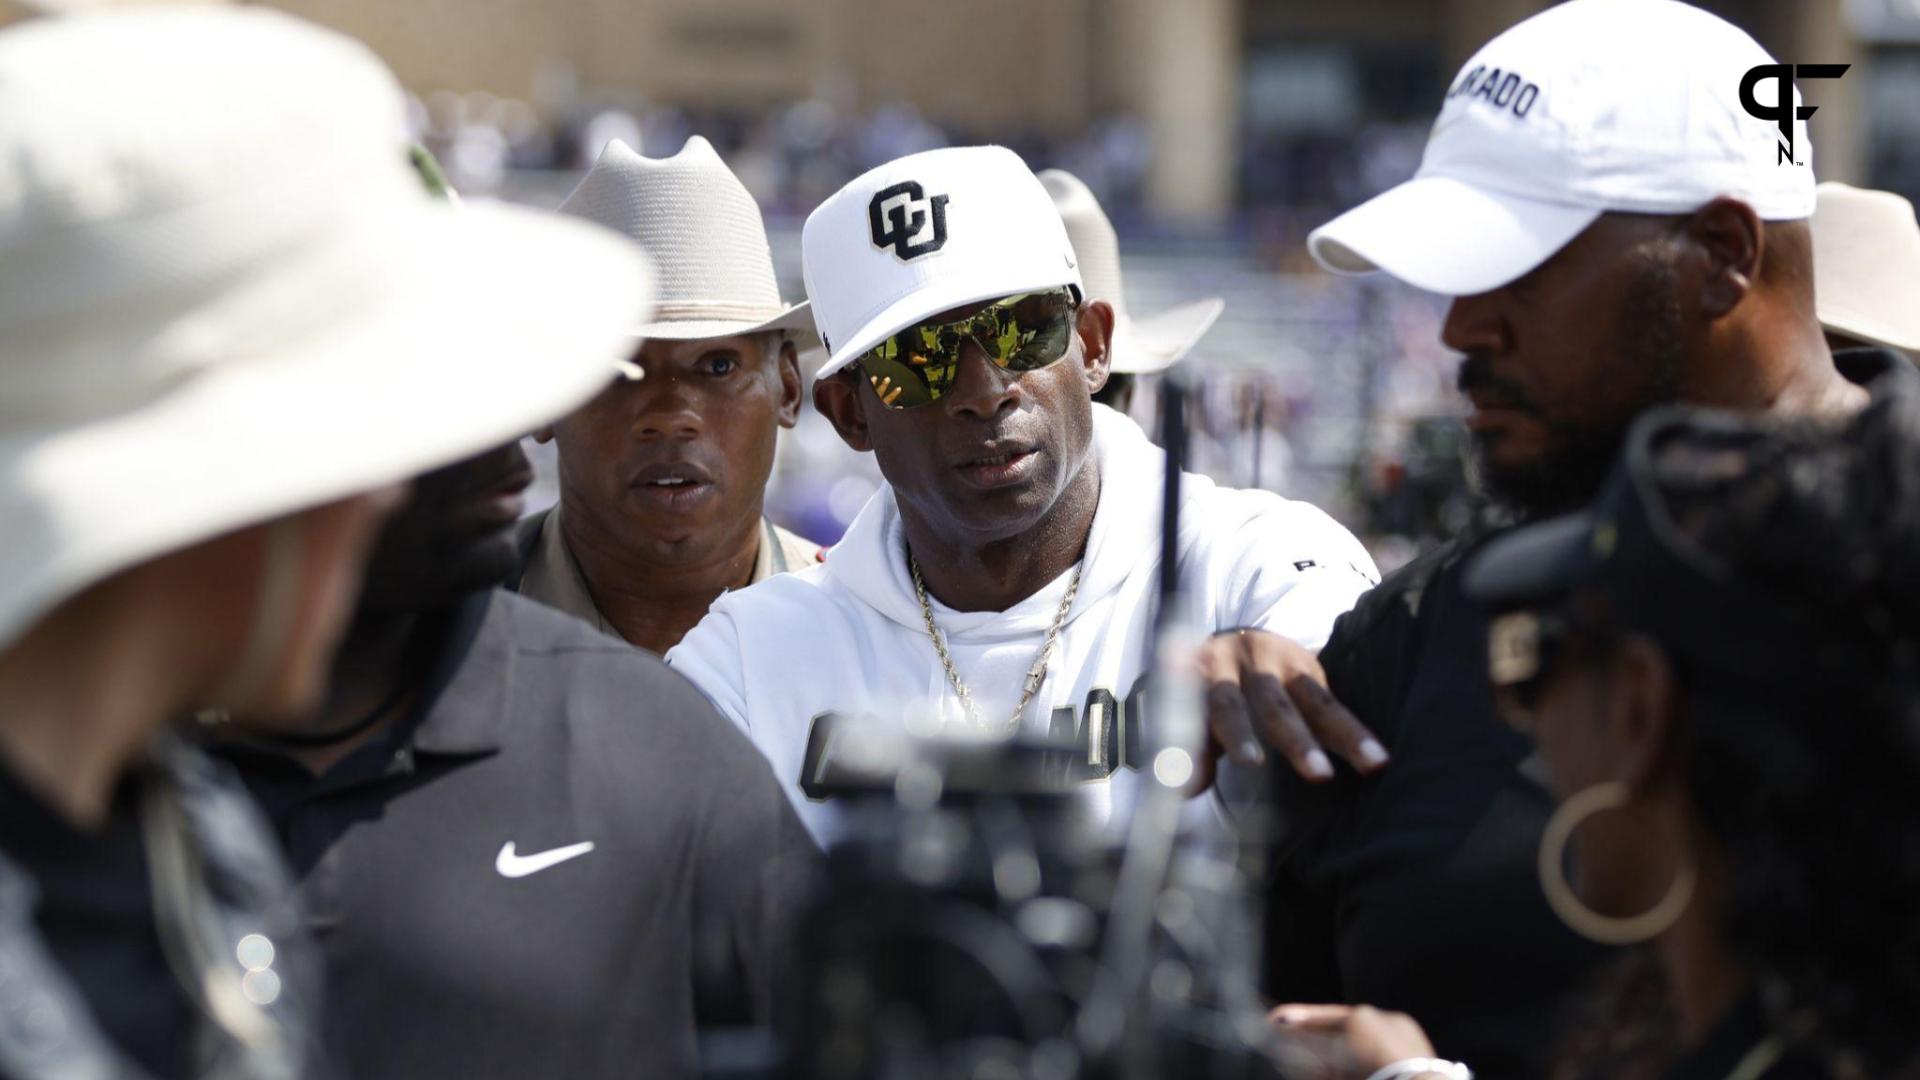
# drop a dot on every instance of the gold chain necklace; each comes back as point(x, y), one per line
point(1035, 675)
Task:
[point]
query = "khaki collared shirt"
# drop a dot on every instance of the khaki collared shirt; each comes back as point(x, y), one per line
point(550, 575)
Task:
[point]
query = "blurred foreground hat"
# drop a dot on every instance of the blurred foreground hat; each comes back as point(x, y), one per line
point(924, 234)
point(226, 296)
point(1866, 265)
point(713, 268)
point(1142, 344)
point(1587, 107)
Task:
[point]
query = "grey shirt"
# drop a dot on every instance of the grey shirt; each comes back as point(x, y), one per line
point(468, 929)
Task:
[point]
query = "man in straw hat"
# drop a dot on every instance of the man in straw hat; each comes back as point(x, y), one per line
point(662, 477)
point(1002, 581)
point(1142, 344)
point(212, 343)
point(417, 808)
point(1616, 231)
point(1866, 268)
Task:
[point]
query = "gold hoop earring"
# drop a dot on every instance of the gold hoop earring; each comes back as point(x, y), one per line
point(1581, 919)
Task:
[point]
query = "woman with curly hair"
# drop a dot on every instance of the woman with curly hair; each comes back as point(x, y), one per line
point(1719, 664)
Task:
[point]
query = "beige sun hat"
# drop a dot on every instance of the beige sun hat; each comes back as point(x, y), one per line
point(1142, 344)
point(698, 221)
point(225, 295)
point(1866, 265)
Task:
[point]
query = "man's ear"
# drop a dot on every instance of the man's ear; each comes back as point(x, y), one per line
point(791, 384)
point(837, 397)
point(1731, 240)
point(1645, 710)
point(1095, 327)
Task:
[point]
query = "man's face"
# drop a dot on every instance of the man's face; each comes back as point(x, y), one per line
point(988, 460)
point(677, 462)
point(1559, 363)
point(454, 534)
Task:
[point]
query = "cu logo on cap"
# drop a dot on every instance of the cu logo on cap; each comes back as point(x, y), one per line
point(1782, 112)
point(903, 218)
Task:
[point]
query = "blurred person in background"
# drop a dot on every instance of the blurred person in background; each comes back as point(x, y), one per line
point(415, 791)
point(1716, 666)
point(663, 476)
point(1003, 581)
point(1584, 295)
point(206, 371)
point(1866, 268)
point(1142, 344)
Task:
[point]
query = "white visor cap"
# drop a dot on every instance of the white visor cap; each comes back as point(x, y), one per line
point(924, 234)
point(1588, 107)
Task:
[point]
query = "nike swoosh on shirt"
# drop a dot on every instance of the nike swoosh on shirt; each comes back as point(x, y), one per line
point(512, 865)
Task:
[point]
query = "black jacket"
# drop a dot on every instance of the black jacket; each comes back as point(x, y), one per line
point(215, 879)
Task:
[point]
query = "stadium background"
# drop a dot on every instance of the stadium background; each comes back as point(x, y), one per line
point(1217, 132)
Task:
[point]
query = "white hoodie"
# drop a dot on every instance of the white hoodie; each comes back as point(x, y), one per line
point(848, 636)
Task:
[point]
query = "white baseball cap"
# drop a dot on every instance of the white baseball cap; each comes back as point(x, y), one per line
point(1588, 107)
point(924, 234)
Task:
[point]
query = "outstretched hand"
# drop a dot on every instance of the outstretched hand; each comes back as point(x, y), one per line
point(1263, 690)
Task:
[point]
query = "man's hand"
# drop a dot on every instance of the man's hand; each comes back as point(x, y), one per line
point(1264, 689)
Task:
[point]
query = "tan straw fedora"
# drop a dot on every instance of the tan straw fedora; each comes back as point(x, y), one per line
point(1142, 344)
point(226, 296)
point(714, 270)
point(1866, 265)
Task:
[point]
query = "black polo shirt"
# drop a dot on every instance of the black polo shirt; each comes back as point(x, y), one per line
point(469, 931)
point(1417, 889)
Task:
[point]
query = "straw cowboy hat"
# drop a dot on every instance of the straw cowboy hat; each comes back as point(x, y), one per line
point(1142, 344)
point(225, 295)
point(1866, 265)
point(714, 270)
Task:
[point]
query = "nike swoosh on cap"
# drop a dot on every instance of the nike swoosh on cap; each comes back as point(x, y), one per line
point(516, 866)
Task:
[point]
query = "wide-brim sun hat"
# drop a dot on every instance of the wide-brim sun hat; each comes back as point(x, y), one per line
point(1142, 344)
point(1866, 265)
point(1590, 106)
point(713, 267)
point(225, 296)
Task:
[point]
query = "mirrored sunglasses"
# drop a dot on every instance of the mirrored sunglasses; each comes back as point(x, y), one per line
point(919, 365)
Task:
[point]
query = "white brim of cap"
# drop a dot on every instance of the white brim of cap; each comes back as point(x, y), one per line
point(1146, 344)
point(1446, 236)
point(435, 334)
point(930, 300)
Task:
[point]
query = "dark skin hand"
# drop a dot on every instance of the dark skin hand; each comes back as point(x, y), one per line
point(1359, 1040)
point(662, 480)
point(987, 536)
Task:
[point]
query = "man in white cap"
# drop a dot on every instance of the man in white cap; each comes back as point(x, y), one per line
point(1002, 581)
point(662, 477)
point(214, 343)
point(1142, 344)
point(1617, 230)
point(1866, 268)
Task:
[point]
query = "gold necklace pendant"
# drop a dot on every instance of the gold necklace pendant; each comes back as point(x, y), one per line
point(1036, 675)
